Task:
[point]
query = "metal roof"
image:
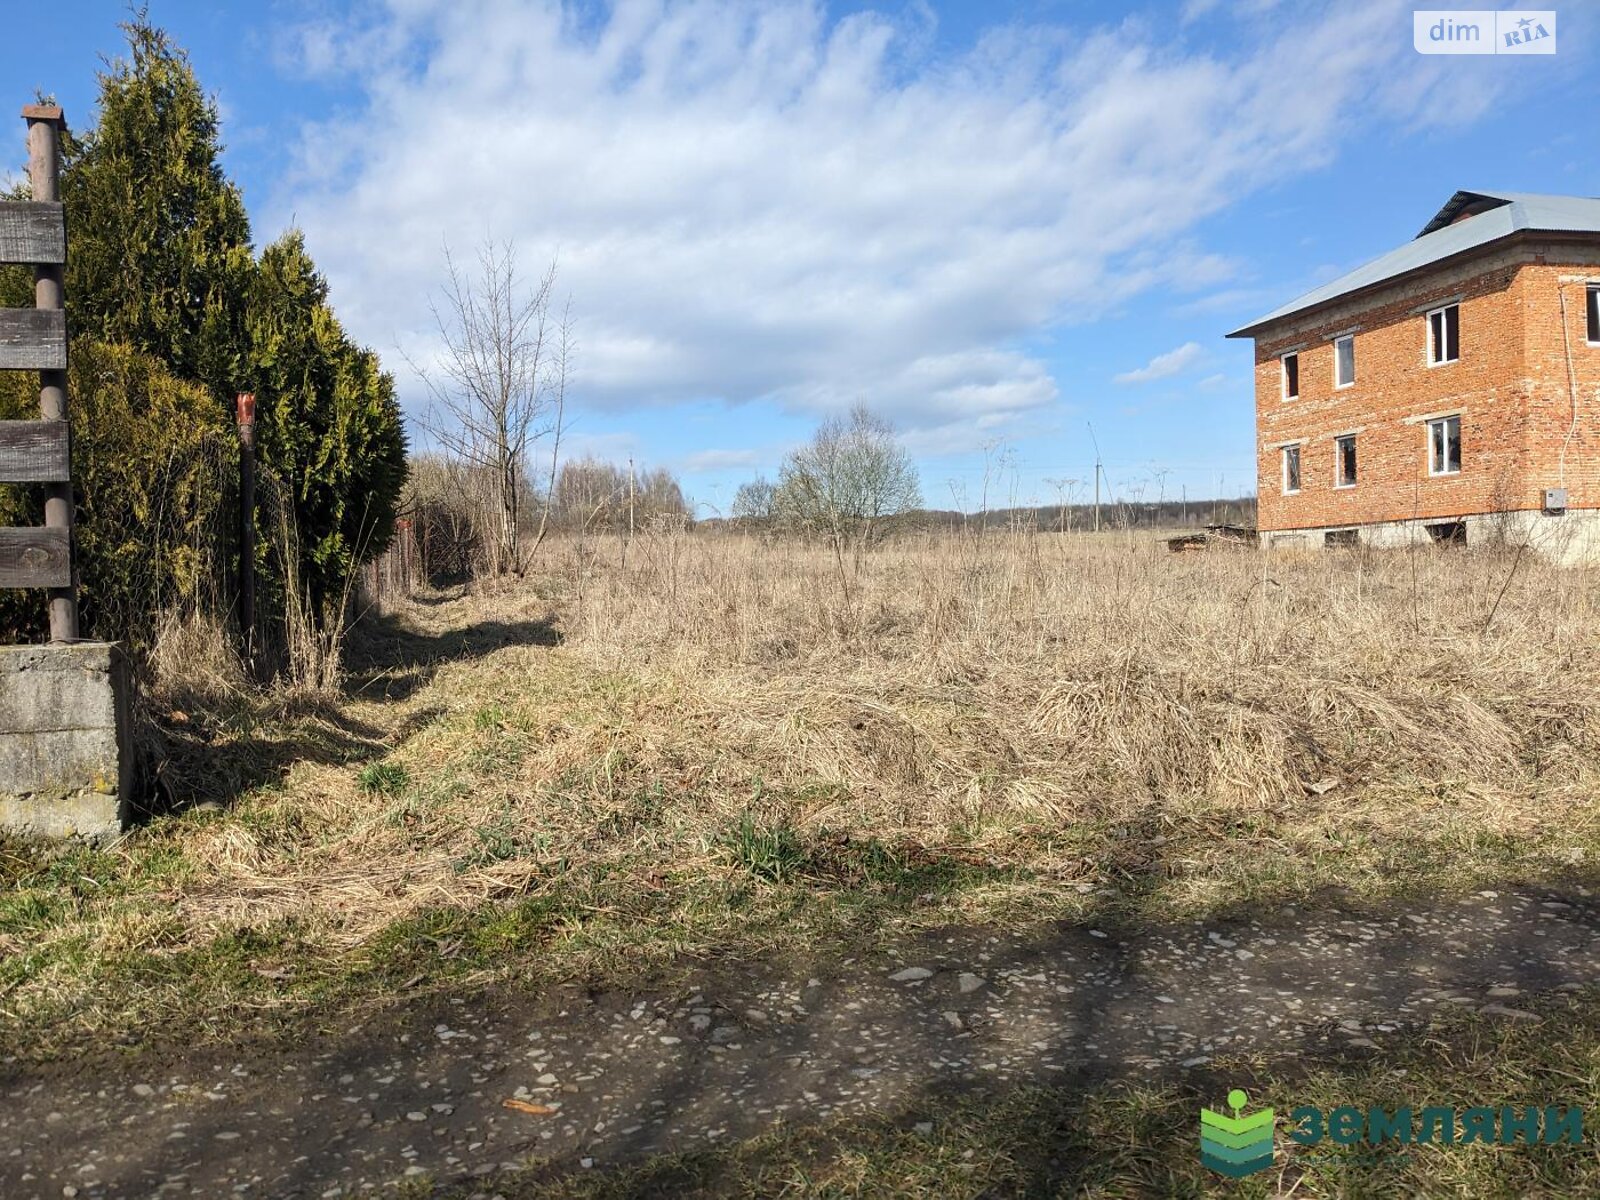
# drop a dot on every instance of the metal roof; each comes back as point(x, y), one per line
point(1468, 220)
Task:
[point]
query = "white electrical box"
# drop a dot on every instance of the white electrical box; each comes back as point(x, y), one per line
point(1555, 500)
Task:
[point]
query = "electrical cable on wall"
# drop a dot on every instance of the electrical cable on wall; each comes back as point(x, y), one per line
point(1572, 384)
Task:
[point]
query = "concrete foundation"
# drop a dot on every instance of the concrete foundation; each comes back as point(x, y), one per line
point(66, 755)
point(1571, 538)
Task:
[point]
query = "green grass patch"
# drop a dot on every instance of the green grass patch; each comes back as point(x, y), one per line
point(383, 779)
point(776, 851)
point(769, 850)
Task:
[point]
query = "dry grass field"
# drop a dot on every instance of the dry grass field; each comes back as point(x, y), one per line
point(704, 749)
point(717, 746)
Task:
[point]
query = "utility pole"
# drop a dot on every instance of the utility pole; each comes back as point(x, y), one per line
point(44, 175)
point(630, 499)
point(1096, 442)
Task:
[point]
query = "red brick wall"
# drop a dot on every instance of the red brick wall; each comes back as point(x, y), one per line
point(1510, 387)
point(1565, 271)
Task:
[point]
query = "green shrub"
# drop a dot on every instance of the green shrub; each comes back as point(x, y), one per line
point(160, 255)
point(154, 467)
point(328, 424)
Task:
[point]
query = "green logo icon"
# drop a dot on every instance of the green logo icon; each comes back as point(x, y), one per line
point(1236, 1146)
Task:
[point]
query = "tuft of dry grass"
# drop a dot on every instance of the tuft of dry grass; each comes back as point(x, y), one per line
point(193, 663)
point(712, 744)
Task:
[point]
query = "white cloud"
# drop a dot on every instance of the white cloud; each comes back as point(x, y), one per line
point(751, 202)
point(1164, 366)
point(723, 460)
point(1230, 300)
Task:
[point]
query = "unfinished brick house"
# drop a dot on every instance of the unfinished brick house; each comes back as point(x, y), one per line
point(1449, 390)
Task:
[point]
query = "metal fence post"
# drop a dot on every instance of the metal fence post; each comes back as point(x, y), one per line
point(246, 416)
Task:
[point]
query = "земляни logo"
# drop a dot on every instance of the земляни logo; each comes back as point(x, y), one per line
point(1236, 1146)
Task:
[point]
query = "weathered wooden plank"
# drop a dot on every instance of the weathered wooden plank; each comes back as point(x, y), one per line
point(33, 339)
point(33, 231)
point(35, 558)
point(34, 452)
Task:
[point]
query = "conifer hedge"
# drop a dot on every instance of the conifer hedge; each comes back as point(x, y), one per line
point(171, 312)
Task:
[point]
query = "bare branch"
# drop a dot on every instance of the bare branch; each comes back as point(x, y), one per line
point(500, 389)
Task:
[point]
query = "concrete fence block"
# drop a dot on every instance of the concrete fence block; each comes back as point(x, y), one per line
point(66, 752)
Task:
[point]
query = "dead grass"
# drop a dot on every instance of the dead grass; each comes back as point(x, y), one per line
point(1010, 694)
point(733, 749)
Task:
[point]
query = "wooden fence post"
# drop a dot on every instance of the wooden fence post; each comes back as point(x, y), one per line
point(44, 174)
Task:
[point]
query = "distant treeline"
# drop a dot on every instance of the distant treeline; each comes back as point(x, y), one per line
point(1165, 514)
point(1064, 518)
point(445, 501)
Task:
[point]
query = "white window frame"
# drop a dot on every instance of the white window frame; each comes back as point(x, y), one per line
point(1591, 298)
point(1444, 330)
point(1338, 461)
point(1300, 465)
point(1429, 426)
point(1351, 338)
point(1283, 375)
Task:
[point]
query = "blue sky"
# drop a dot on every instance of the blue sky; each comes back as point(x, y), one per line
point(997, 223)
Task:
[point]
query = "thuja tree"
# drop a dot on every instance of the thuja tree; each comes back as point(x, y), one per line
point(160, 243)
point(155, 466)
point(328, 426)
point(162, 261)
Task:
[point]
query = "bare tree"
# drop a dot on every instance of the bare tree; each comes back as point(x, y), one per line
point(756, 501)
point(589, 493)
point(660, 497)
point(564, 352)
point(592, 494)
point(499, 391)
point(845, 481)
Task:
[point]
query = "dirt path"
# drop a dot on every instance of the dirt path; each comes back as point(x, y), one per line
point(622, 1076)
